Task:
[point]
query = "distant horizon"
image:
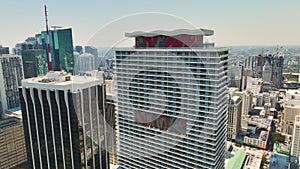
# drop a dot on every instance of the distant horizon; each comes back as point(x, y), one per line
point(235, 46)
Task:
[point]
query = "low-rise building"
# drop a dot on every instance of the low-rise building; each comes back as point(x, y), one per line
point(12, 142)
point(255, 132)
point(291, 109)
point(259, 139)
point(278, 161)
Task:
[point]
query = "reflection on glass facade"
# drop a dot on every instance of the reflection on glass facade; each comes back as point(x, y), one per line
point(34, 59)
point(63, 128)
point(61, 42)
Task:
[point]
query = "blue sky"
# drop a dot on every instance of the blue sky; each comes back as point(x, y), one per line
point(236, 22)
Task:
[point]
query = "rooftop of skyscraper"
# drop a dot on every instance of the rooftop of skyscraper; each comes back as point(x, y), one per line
point(204, 32)
point(60, 80)
point(179, 38)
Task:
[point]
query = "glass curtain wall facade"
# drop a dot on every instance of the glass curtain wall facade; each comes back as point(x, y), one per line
point(64, 129)
point(35, 60)
point(61, 42)
point(172, 107)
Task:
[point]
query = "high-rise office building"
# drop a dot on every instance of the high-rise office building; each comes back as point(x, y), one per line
point(4, 50)
point(12, 142)
point(11, 74)
point(267, 72)
point(63, 118)
point(78, 49)
point(171, 101)
point(296, 138)
point(278, 70)
point(234, 117)
point(86, 63)
point(94, 51)
point(110, 112)
point(61, 42)
point(247, 99)
point(34, 57)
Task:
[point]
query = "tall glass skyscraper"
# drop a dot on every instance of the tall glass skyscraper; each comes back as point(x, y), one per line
point(171, 101)
point(61, 42)
point(63, 119)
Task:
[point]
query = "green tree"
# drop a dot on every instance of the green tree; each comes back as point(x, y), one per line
point(263, 161)
point(278, 138)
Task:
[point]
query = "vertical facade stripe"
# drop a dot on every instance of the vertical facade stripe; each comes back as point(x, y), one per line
point(60, 124)
point(53, 135)
point(29, 128)
point(98, 126)
point(36, 125)
point(91, 126)
point(83, 127)
point(45, 133)
point(104, 121)
point(69, 124)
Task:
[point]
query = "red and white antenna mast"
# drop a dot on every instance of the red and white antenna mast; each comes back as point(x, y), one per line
point(48, 38)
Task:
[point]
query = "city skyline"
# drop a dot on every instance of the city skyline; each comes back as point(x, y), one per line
point(244, 23)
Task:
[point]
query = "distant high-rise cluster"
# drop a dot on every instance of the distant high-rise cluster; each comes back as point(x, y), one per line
point(269, 67)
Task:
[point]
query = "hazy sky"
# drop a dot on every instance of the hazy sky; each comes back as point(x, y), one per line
point(235, 22)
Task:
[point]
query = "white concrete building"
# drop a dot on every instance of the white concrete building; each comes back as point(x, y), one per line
point(234, 117)
point(11, 74)
point(291, 109)
point(171, 101)
point(296, 138)
point(247, 102)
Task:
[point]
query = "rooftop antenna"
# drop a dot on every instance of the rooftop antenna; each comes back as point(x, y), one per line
point(48, 38)
point(56, 27)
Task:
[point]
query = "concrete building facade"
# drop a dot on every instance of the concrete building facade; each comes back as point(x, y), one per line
point(295, 151)
point(234, 117)
point(171, 101)
point(246, 102)
point(12, 141)
point(11, 74)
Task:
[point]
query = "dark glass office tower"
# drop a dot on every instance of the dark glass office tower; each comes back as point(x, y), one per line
point(35, 62)
point(61, 42)
point(4, 50)
point(64, 122)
